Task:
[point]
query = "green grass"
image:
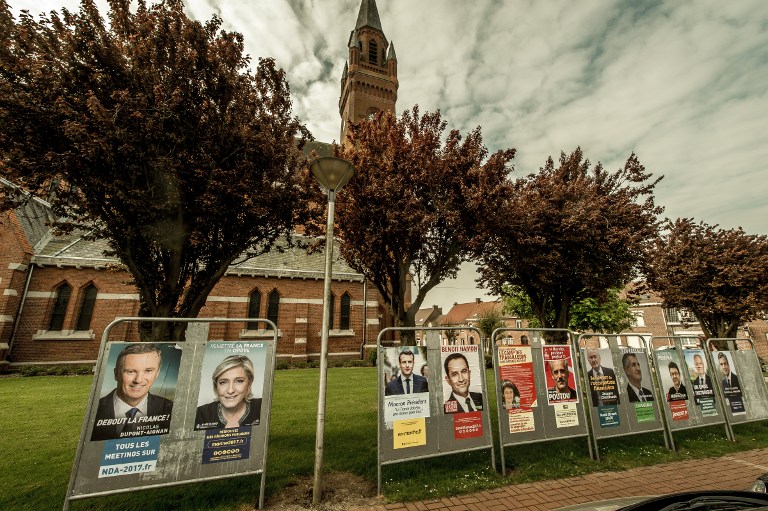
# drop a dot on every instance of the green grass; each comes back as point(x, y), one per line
point(41, 418)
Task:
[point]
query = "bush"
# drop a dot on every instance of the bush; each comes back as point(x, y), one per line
point(488, 362)
point(281, 365)
point(300, 364)
point(55, 370)
point(372, 356)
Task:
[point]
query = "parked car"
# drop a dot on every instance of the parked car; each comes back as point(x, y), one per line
point(711, 500)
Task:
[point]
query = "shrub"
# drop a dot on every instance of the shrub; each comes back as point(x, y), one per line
point(282, 365)
point(372, 356)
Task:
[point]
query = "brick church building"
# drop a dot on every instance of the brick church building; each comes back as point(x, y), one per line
point(59, 292)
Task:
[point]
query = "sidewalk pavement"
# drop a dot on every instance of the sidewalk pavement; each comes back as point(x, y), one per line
point(735, 471)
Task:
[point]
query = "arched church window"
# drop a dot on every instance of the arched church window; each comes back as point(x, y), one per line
point(273, 306)
point(345, 310)
point(373, 53)
point(60, 306)
point(254, 308)
point(86, 308)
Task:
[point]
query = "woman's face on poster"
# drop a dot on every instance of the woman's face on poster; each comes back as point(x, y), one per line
point(232, 387)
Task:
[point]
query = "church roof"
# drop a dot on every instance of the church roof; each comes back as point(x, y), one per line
point(75, 250)
point(368, 15)
point(391, 52)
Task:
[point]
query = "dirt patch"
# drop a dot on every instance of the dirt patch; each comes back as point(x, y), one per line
point(341, 491)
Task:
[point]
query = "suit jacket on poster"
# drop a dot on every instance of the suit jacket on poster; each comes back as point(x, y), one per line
point(156, 405)
point(703, 390)
point(477, 403)
point(607, 372)
point(418, 384)
point(682, 393)
point(735, 385)
point(634, 398)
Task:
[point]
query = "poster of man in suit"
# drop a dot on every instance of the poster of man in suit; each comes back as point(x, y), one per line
point(137, 393)
point(462, 383)
point(703, 390)
point(730, 382)
point(406, 391)
point(559, 374)
point(601, 377)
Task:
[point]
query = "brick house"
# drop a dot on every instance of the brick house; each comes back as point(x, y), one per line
point(60, 291)
point(467, 315)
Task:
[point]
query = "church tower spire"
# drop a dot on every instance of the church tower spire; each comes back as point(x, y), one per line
point(369, 82)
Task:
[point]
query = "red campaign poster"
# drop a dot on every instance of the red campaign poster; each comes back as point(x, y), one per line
point(517, 382)
point(467, 425)
point(560, 375)
point(679, 410)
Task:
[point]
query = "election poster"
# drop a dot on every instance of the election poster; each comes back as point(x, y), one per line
point(566, 415)
point(603, 387)
point(406, 389)
point(227, 444)
point(560, 376)
point(637, 374)
point(409, 433)
point(671, 376)
point(729, 381)
point(462, 384)
point(703, 389)
point(518, 387)
point(672, 383)
point(138, 400)
point(231, 385)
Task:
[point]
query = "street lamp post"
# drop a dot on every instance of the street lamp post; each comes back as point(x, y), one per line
point(332, 174)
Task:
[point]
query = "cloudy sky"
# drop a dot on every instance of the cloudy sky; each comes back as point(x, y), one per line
point(684, 84)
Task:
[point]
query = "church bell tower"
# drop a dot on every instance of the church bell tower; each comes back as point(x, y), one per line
point(369, 82)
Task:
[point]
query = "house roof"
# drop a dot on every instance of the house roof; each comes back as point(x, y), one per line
point(464, 313)
point(430, 315)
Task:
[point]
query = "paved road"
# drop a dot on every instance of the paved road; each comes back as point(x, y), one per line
point(734, 471)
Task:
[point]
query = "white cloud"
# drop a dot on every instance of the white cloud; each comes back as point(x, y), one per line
point(680, 83)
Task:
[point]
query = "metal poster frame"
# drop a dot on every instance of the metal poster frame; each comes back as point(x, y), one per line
point(675, 343)
point(433, 346)
point(542, 410)
point(612, 340)
point(196, 340)
point(728, 413)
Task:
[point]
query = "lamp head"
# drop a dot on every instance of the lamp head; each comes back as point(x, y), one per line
point(332, 173)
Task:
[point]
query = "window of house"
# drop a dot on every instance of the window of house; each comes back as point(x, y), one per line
point(639, 318)
point(86, 308)
point(346, 305)
point(60, 307)
point(373, 53)
point(671, 316)
point(518, 323)
point(273, 306)
point(254, 308)
point(330, 311)
point(687, 316)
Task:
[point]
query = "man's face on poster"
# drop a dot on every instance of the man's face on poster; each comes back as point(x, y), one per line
point(458, 376)
point(633, 370)
point(724, 367)
point(698, 363)
point(593, 356)
point(406, 364)
point(138, 373)
point(559, 369)
point(675, 375)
